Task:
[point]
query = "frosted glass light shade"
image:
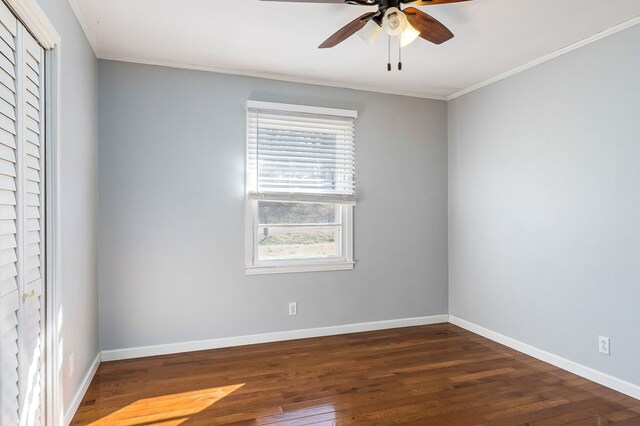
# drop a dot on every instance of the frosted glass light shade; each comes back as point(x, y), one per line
point(369, 32)
point(408, 35)
point(394, 21)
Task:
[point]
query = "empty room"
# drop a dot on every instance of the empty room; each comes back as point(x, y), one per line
point(319, 212)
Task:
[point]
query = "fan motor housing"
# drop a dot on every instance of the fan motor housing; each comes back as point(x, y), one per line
point(383, 5)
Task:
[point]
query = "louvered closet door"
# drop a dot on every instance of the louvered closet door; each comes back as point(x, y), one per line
point(21, 224)
point(30, 207)
point(9, 291)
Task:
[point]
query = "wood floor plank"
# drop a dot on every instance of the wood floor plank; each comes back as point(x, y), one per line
point(426, 375)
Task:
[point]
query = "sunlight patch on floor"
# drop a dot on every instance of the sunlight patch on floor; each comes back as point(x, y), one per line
point(167, 410)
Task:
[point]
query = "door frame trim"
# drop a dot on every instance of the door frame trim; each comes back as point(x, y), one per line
point(54, 401)
point(36, 21)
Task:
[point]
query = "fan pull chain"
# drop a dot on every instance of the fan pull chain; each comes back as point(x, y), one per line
point(399, 57)
point(389, 53)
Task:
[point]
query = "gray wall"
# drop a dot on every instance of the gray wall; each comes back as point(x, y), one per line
point(78, 195)
point(171, 227)
point(544, 212)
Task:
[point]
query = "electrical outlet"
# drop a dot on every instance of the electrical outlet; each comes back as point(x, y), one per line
point(603, 345)
point(72, 365)
point(293, 308)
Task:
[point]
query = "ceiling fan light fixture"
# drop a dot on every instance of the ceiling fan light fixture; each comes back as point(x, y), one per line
point(394, 21)
point(409, 35)
point(370, 32)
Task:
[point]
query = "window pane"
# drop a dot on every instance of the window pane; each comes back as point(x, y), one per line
point(294, 213)
point(298, 242)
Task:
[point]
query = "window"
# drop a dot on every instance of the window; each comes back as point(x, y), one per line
point(300, 188)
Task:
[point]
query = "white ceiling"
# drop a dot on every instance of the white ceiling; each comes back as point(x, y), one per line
point(279, 40)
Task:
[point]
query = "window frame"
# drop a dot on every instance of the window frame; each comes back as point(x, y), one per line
point(254, 266)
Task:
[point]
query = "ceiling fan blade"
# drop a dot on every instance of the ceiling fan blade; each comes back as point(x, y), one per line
point(308, 1)
point(347, 31)
point(430, 28)
point(430, 2)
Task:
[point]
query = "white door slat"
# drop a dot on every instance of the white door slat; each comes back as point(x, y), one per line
point(7, 168)
point(7, 51)
point(32, 250)
point(8, 20)
point(33, 262)
point(8, 271)
point(32, 75)
point(32, 175)
point(32, 162)
point(33, 149)
point(31, 138)
point(7, 95)
point(7, 227)
point(32, 199)
point(32, 225)
point(8, 183)
point(8, 80)
point(32, 187)
point(32, 237)
point(33, 274)
point(32, 48)
point(7, 257)
point(7, 286)
point(7, 138)
point(7, 197)
point(9, 303)
point(8, 241)
point(32, 112)
point(7, 153)
point(33, 63)
point(31, 124)
point(31, 87)
point(7, 36)
point(7, 110)
point(7, 124)
point(9, 330)
point(32, 100)
point(32, 212)
point(8, 368)
point(7, 64)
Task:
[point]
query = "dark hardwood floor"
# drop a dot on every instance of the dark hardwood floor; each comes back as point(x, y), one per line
point(428, 375)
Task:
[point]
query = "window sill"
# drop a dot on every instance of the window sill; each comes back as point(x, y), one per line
point(288, 269)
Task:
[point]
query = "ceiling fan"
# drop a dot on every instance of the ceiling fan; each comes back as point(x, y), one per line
point(407, 24)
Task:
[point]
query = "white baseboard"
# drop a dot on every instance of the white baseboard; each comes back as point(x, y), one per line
point(77, 399)
point(225, 342)
point(615, 383)
point(563, 363)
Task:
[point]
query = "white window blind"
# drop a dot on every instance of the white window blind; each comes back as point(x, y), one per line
point(297, 153)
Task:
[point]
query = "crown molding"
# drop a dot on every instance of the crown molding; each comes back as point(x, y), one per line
point(272, 76)
point(623, 26)
point(84, 23)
